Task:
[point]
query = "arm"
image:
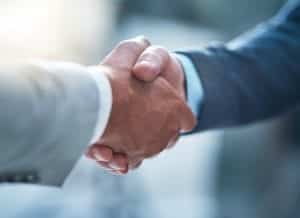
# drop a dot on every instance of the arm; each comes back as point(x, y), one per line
point(252, 78)
point(50, 110)
point(48, 116)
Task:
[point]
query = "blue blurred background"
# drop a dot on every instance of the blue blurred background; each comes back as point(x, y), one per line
point(246, 172)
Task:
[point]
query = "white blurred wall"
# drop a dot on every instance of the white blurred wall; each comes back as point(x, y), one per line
point(65, 29)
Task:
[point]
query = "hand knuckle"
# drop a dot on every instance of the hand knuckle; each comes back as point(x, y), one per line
point(129, 45)
point(160, 49)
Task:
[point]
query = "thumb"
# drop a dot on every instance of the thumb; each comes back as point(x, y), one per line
point(151, 63)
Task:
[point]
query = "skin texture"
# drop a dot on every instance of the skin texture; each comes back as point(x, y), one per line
point(156, 61)
point(149, 109)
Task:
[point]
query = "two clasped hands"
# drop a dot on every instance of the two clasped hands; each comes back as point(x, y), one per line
point(149, 109)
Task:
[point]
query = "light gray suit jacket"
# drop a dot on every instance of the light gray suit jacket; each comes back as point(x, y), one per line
point(48, 112)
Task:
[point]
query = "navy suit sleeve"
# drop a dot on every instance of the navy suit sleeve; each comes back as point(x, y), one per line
point(254, 77)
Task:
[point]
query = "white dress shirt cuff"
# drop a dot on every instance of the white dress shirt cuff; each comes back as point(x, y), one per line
point(194, 89)
point(105, 102)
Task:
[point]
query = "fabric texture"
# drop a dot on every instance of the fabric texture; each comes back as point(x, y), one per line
point(48, 116)
point(193, 86)
point(254, 77)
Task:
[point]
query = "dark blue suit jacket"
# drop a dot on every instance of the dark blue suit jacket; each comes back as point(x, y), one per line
point(254, 77)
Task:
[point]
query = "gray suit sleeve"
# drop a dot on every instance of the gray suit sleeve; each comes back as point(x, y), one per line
point(254, 77)
point(47, 117)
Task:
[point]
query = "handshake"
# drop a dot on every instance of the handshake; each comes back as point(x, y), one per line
point(149, 109)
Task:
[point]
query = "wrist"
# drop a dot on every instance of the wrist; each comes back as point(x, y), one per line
point(179, 69)
point(118, 80)
point(193, 84)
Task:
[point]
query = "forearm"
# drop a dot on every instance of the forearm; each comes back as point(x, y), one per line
point(252, 78)
point(47, 118)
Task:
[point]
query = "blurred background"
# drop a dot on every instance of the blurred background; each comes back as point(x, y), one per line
point(245, 172)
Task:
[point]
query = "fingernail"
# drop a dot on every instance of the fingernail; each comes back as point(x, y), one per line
point(145, 63)
point(115, 166)
point(98, 156)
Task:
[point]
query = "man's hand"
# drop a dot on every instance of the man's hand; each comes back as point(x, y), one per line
point(146, 118)
point(157, 61)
